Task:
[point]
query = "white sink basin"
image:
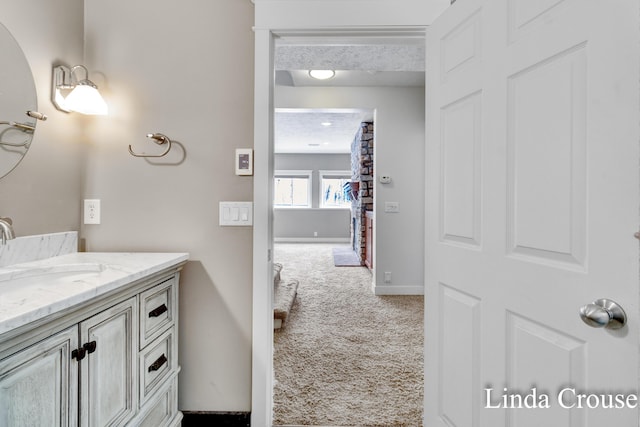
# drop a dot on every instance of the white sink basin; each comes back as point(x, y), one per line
point(57, 270)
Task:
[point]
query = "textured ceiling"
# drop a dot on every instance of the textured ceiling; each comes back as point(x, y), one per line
point(317, 131)
point(363, 63)
point(370, 57)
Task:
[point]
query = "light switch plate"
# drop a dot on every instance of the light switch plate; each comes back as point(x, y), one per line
point(236, 214)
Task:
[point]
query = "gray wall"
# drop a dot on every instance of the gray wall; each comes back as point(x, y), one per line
point(301, 224)
point(399, 153)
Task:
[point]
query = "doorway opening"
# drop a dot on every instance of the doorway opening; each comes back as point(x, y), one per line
point(366, 86)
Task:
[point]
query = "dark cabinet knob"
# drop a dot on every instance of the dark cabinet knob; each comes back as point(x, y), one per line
point(78, 354)
point(90, 347)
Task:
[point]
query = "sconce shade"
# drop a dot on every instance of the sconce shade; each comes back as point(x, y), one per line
point(84, 97)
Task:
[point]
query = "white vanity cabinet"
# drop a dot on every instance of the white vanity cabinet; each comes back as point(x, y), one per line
point(108, 374)
point(110, 361)
point(39, 384)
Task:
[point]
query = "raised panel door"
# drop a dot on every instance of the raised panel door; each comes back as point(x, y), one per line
point(39, 385)
point(532, 201)
point(108, 374)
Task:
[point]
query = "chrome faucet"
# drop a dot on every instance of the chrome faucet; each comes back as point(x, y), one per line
point(6, 230)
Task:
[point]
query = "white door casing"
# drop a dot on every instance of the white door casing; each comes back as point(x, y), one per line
point(532, 201)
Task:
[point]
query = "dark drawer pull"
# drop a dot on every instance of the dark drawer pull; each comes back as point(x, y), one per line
point(158, 363)
point(158, 311)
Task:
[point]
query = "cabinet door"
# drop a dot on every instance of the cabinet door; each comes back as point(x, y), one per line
point(108, 375)
point(39, 385)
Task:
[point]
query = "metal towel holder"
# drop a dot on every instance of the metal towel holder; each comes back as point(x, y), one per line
point(25, 127)
point(159, 139)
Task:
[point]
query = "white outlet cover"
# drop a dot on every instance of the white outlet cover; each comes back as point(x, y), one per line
point(92, 211)
point(391, 207)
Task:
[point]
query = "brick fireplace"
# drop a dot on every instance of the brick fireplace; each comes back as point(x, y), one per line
point(361, 173)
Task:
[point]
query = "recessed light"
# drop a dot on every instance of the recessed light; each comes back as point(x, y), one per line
point(326, 123)
point(322, 74)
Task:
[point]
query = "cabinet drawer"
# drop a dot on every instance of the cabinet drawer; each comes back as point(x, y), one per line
point(157, 362)
point(161, 408)
point(157, 310)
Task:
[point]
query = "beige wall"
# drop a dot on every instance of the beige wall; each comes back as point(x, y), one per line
point(42, 194)
point(181, 68)
point(184, 69)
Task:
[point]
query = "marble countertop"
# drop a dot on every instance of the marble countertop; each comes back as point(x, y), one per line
point(31, 291)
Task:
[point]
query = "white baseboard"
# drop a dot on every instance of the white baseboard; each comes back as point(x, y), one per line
point(312, 240)
point(398, 290)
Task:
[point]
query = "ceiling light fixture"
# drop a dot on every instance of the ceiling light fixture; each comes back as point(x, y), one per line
point(326, 123)
point(70, 94)
point(322, 74)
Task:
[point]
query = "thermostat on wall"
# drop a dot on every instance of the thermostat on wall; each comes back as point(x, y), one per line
point(244, 161)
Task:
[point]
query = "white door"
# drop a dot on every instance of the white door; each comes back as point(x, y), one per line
point(532, 202)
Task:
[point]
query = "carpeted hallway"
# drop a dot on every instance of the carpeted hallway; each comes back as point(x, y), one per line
point(344, 356)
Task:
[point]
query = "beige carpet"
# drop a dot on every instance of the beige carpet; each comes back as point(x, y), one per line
point(345, 356)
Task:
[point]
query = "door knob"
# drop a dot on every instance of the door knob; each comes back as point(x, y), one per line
point(603, 313)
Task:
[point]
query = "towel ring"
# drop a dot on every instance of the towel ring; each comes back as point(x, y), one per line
point(24, 127)
point(159, 139)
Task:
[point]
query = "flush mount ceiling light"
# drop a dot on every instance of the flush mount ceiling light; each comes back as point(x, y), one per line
point(71, 94)
point(322, 74)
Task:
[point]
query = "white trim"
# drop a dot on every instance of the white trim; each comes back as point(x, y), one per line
point(312, 209)
point(398, 290)
point(311, 240)
point(262, 310)
point(262, 313)
point(338, 173)
point(291, 173)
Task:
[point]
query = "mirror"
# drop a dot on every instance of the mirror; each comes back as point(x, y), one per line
point(17, 98)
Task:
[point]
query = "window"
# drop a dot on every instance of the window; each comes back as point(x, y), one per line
point(335, 189)
point(292, 189)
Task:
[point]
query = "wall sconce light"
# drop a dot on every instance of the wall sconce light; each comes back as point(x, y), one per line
point(71, 94)
point(322, 74)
